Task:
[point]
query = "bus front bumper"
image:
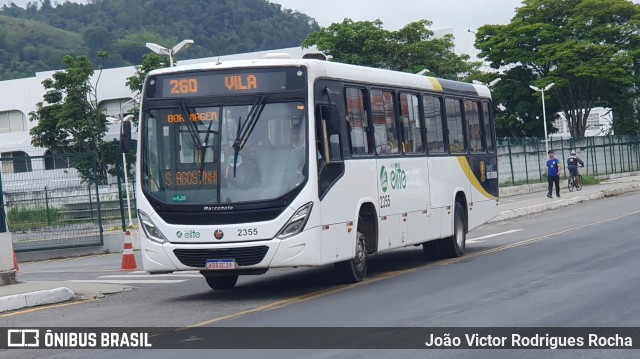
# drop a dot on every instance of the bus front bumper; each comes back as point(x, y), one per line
point(297, 251)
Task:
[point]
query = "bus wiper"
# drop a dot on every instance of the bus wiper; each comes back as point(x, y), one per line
point(191, 127)
point(245, 129)
point(203, 148)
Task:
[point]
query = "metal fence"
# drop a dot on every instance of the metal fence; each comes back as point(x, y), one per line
point(48, 205)
point(523, 161)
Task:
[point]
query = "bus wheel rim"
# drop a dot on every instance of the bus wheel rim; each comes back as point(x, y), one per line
point(361, 254)
point(459, 232)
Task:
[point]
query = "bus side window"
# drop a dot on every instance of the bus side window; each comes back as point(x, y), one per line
point(474, 128)
point(455, 126)
point(384, 123)
point(358, 122)
point(488, 124)
point(433, 124)
point(411, 128)
point(328, 122)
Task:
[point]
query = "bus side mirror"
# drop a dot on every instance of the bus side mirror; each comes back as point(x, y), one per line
point(125, 134)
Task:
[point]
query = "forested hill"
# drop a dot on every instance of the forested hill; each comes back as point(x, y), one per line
point(35, 38)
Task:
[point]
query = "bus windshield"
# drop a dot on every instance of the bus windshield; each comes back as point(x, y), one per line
point(189, 155)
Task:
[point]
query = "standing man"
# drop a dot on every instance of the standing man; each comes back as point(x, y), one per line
point(553, 174)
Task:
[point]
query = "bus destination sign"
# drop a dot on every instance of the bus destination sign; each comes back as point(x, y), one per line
point(209, 83)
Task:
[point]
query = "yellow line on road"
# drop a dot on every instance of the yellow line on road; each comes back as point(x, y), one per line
point(388, 275)
point(36, 309)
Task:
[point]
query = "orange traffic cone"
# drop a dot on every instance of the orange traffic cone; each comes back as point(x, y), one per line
point(128, 258)
point(15, 262)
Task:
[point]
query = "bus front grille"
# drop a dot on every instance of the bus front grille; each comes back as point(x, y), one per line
point(243, 256)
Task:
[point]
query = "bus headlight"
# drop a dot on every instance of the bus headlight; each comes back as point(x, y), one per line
point(296, 223)
point(150, 230)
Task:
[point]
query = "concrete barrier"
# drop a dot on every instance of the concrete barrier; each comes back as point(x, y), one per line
point(7, 272)
point(32, 299)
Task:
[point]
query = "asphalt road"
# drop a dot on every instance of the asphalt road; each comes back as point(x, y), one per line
point(577, 266)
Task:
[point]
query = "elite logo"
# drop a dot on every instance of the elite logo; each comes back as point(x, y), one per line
point(188, 234)
point(397, 178)
point(383, 179)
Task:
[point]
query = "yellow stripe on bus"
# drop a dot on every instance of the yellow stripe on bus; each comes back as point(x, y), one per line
point(435, 83)
point(472, 177)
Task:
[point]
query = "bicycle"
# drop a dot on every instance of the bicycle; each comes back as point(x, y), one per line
point(575, 182)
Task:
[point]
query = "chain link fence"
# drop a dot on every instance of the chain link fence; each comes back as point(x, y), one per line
point(523, 161)
point(48, 206)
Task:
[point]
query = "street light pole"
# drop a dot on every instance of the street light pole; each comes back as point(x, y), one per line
point(544, 112)
point(160, 50)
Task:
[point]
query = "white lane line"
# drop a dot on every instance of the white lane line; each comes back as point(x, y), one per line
point(130, 281)
point(180, 272)
point(480, 239)
point(132, 276)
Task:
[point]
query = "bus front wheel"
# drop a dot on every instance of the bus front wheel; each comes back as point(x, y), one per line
point(354, 270)
point(218, 283)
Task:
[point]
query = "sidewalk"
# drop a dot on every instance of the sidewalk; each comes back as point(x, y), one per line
point(536, 202)
point(35, 293)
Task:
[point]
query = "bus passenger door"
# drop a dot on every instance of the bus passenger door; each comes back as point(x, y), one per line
point(391, 176)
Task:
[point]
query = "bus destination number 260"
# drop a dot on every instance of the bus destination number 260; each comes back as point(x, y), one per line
point(184, 86)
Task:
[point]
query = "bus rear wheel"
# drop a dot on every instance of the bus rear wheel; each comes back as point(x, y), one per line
point(221, 283)
point(451, 247)
point(354, 270)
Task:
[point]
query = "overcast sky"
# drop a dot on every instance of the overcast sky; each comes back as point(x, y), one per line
point(457, 15)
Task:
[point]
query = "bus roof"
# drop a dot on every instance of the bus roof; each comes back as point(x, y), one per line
point(347, 73)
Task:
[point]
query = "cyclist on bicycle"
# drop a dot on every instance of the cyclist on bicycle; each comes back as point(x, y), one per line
point(572, 163)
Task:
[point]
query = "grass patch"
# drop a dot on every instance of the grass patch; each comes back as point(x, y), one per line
point(590, 180)
point(27, 218)
point(523, 182)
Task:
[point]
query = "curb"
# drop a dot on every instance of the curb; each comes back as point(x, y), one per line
point(543, 207)
point(32, 299)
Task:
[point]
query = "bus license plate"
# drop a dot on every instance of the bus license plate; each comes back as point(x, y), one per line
point(221, 264)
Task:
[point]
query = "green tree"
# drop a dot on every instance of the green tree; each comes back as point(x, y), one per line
point(68, 120)
point(150, 61)
point(410, 49)
point(583, 46)
point(517, 112)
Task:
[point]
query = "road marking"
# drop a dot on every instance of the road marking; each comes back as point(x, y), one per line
point(31, 310)
point(70, 259)
point(152, 275)
point(480, 239)
point(129, 281)
point(326, 292)
point(71, 271)
point(181, 272)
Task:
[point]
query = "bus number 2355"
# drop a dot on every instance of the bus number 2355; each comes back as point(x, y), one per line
point(247, 232)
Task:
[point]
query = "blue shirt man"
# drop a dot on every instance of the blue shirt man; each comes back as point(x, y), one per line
point(553, 171)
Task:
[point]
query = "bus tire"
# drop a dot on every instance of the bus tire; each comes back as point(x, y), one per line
point(432, 250)
point(453, 246)
point(355, 269)
point(221, 283)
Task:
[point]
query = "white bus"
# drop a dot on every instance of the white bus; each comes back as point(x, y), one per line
point(249, 165)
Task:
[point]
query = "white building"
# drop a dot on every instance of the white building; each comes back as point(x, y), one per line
point(19, 98)
point(598, 124)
